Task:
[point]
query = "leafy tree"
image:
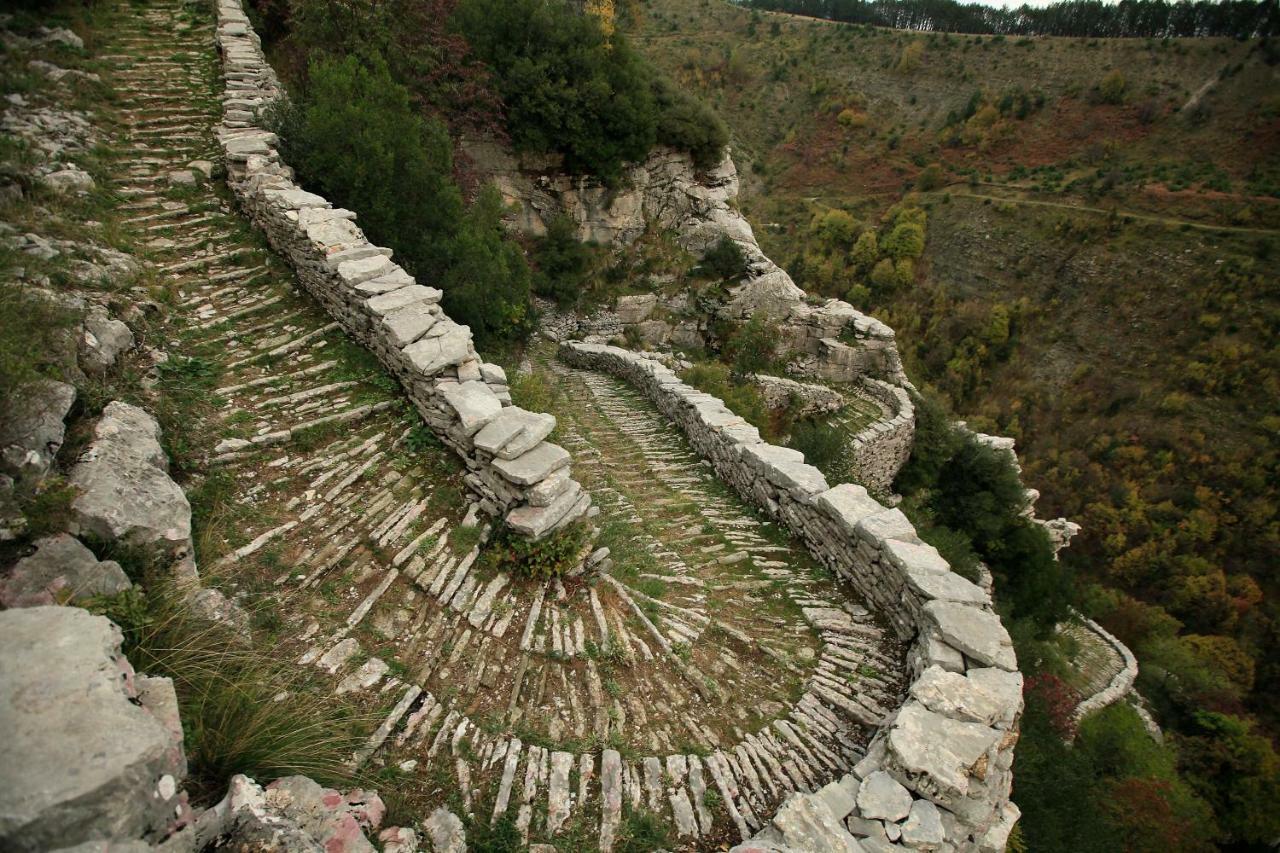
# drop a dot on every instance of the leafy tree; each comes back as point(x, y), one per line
point(883, 276)
point(906, 240)
point(687, 124)
point(564, 262)
point(357, 140)
point(835, 228)
point(865, 251)
point(1237, 771)
point(487, 283)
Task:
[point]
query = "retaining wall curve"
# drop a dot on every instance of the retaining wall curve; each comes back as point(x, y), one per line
point(464, 400)
point(950, 743)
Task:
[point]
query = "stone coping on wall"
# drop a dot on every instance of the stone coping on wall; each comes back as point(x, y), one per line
point(949, 745)
point(517, 473)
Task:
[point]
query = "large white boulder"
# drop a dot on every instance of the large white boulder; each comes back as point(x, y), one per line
point(125, 489)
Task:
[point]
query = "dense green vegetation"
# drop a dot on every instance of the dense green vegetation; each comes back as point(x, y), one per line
point(568, 86)
point(1082, 18)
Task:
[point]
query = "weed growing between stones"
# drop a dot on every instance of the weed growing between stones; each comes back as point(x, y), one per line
point(547, 558)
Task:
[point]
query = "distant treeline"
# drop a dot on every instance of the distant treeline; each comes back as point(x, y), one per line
point(1082, 18)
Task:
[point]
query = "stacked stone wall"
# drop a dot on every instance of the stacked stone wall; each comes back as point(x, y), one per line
point(882, 448)
point(950, 743)
point(518, 474)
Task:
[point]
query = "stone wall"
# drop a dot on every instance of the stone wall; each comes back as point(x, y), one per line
point(465, 401)
point(943, 760)
point(882, 448)
point(810, 400)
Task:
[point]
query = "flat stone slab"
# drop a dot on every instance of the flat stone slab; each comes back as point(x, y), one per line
point(406, 325)
point(939, 753)
point(61, 570)
point(533, 466)
point(993, 697)
point(474, 404)
point(401, 298)
point(393, 280)
point(445, 345)
point(976, 632)
point(359, 271)
point(514, 432)
point(79, 760)
point(847, 504)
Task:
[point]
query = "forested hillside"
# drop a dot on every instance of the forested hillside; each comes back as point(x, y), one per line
point(1081, 18)
point(1094, 275)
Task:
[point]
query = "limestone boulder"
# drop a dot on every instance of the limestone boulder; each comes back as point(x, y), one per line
point(83, 756)
point(446, 832)
point(803, 824)
point(102, 341)
point(881, 797)
point(32, 429)
point(61, 570)
point(125, 490)
point(942, 757)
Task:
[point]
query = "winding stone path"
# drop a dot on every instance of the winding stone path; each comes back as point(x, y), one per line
point(703, 669)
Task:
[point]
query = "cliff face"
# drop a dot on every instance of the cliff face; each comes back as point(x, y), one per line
point(828, 339)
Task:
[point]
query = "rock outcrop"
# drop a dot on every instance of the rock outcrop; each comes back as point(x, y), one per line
point(88, 752)
point(125, 490)
point(32, 429)
point(830, 340)
point(62, 570)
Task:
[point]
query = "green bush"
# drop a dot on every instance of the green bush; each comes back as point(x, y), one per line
point(823, 446)
point(550, 557)
point(487, 282)
point(725, 260)
point(742, 398)
point(358, 141)
point(564, 263)
point(752, 347)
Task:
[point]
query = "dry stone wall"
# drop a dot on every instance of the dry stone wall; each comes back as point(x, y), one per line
point(518, 474)
point(941, 764)
point(881, 449)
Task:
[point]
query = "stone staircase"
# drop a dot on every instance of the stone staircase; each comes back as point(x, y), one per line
point(712, 669)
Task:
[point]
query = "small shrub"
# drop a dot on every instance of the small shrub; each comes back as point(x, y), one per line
point(931, 178)
point(725, 260)
point(752, 347)
point(823, 446)
point(550, 557)
point(1112, 88)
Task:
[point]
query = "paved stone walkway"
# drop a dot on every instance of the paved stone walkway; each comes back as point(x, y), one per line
point(707, 671)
